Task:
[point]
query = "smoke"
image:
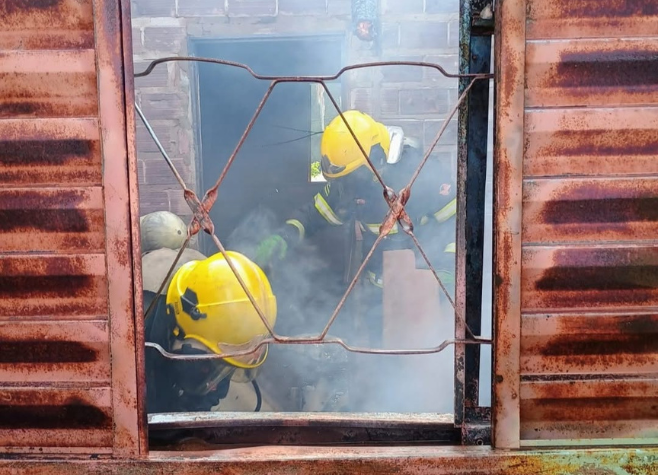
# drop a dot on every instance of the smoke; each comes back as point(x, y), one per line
point(326, 377)
point(309, 282)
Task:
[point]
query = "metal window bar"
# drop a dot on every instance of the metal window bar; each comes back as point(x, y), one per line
point(475, 41)
point(395, 201)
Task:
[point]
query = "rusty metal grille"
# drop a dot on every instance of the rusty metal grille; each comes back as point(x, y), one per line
point(396, 201)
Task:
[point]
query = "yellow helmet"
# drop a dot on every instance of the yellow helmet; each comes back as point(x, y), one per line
point(211, 307)
point(341, 154)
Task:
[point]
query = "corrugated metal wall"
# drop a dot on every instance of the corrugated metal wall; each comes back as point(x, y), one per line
point(577, 209)
point(67, 338)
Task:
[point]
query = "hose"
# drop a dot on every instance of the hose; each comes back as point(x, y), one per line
point(259, 396)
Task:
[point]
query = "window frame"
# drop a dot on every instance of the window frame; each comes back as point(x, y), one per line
point(473, 422)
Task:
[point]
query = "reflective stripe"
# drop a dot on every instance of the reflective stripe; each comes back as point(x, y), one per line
point(300, 227)
point(325, 210)
point(372, 277)
point(447, 212)
point(374, 228)
point(451, 248)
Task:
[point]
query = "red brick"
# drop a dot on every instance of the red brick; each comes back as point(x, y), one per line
point(155, 8)
point(424, 34)
point(152, 198)
point(138, 47)
point(453, 95)
point(412, 128)
point(145, 143)
point(449, 136)
point(163, 106)
point(441, 6)
point(141, 179)
point(157, 171)
point(178, 205)
point(303, 7)
point(158, 77)
point(403, 6)
point(450, 63)
point(187, 8)
point(361, 99)
point(423, 101)
point(185, 139)
point(167, 38)
point(390, 35)
point(453, 37)
point(252, 7)
point(339, 7)
point(390, 101)
point(403, 73)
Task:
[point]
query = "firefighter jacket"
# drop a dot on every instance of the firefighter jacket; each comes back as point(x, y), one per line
point(432, 208)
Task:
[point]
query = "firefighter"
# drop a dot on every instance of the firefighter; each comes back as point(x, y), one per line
point(204, 310)
point(353, 197)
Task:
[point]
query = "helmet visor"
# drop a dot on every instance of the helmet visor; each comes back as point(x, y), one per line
point(250, 354)
point(199, 377)
point(329, 169)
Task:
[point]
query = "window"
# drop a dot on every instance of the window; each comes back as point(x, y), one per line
point(311, 374)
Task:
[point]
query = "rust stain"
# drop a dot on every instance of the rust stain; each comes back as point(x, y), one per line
point(603, 345)
point(609, 269)
point(48, 94)
point(73, 414)
point(589, 409)
point(612, 210)
point(612, 69)
point(47, 212)
point(50, 286)
point(600, 142)
point(9, 7)
point(607, 9)
point(50, 220)
point(121, 249)
point(33, 352)
point(18, 108)
point(45, 152)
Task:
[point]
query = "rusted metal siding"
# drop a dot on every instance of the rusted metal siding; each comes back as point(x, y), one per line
point(67, 337)
point(509, 50)
point(589, 274)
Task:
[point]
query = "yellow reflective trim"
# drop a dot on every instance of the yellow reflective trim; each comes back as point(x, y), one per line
point(325, 210)
point(447, 212)
point(300, 227)
point(372, 277)
point(451, 248)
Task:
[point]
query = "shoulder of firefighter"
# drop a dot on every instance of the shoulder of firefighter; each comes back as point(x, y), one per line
point(327, 206)
point(341, 156)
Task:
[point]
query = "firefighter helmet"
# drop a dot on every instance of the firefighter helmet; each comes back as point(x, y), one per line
point(213, 312)
point(162, 229)
point(340, 153)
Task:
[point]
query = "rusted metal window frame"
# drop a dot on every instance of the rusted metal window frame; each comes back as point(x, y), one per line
point(397, 214)
point(475, 42)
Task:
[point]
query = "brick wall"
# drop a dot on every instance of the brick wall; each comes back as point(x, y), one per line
point(413, 98)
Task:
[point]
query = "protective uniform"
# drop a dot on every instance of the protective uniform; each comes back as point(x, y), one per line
point(353, 195)
point(206, 311)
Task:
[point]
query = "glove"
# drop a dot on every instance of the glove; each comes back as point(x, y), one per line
point(270, 247)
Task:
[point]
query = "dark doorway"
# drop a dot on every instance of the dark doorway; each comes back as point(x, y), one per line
point(272, 168)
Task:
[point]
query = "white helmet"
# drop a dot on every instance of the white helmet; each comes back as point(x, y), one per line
point(162, 229)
